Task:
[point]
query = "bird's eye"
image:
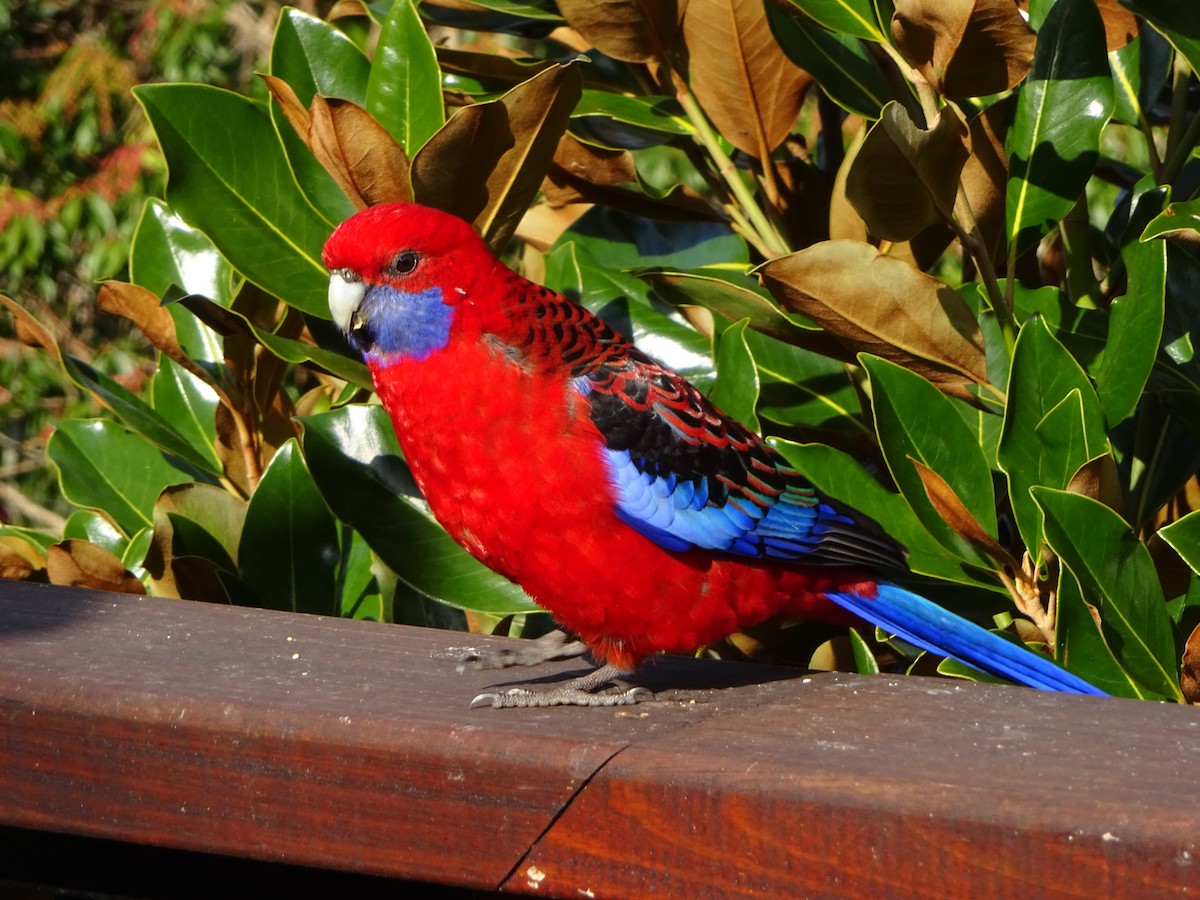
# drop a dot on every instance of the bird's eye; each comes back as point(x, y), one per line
point(405, 262)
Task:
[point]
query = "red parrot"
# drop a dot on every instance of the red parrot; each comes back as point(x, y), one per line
point(602, 482)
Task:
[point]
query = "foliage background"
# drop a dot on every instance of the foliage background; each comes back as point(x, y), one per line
point(954, 242)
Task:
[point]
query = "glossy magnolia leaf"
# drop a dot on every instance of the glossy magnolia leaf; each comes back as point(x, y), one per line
point(230, 179)
point(1180, 221)
point(77, 563)
point(1117, 575)
point(356, 461)
point(905, 178)
point(86, 525)
point(282, 347)
point(634, 31)
point(842, 477)
point(839, 62)
point(621, 241)
point(314, 57)
point(746, 84)
point(1184, 537)
point(104, 467)
point(1053, 425)
point(1055, 138)
point(736, 390)
point(189, 404)
point(852, 17)
point(1082, 646)
point(917, 423)
point(288, 551)
point(876, 304)
point(404, 90)
point(137, 414)
point(649, 113)
point(1177, 22)
point(803, 389)
point(167, 251)
point(965, 48)
point(1135, 327)
point(718, 291)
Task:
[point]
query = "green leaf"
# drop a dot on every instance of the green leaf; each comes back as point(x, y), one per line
point(1177, 220)
point(404, 91)
point(356, 584)
point(230, 179)
point(1082, 647)
point(90, 526)
point(356, 460)
point(138, 415)
point(841, 64)
point(736, 390)
point(855, 18)
point(651, 113)
point(314, 57)
point(1053, 424)
point(1055, 137)
point(104, 467)
point(1116, 574)
point(1184, 537)
point(288, 553)
point(167, 251)
point(916, 421)
point(1135, 327)
point(840, 476)
point(189, 405)
point(802, 389)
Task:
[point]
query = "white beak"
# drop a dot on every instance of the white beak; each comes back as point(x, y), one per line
point(346, 292)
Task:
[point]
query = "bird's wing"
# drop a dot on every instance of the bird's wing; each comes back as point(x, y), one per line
point(687, 476)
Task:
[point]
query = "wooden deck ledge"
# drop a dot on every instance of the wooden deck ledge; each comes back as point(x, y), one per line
point(348, 746)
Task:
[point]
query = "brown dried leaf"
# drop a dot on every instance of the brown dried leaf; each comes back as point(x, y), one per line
point(1120, 25)
point(143, 308)
point(192, 577)
point(77, 563)
point(951, 508)
point(450, 172)
point(747, 85)
point(366, 162)
point(634, 31)
point(538, 113)
point(597, 165)
point(905, 178)
point(1189, 679)
point(876, 304)
point(29, 330)
point(20, 560)
point(1099, 480)
point(289, 103)
point(985, 174)
point(965, 48)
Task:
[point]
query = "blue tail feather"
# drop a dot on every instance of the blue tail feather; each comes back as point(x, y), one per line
point(925, 624)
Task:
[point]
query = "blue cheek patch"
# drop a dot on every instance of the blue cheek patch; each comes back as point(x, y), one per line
point(406, 325)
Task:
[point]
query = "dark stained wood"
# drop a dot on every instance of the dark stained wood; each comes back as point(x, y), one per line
point(349, 746)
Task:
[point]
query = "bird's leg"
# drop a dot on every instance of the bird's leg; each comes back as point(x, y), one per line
point(580, 691)
point(555, 644)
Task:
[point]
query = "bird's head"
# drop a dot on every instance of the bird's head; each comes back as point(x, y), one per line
point(398, 275)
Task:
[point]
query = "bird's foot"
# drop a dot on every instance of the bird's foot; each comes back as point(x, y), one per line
point(582, 691)
point(555, 644)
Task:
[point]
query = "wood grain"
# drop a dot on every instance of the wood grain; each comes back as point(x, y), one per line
point(349, 746)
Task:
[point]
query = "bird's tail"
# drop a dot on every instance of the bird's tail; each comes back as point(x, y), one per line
point(933, 628)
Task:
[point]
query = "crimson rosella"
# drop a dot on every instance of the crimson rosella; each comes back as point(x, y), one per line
point(602, 482)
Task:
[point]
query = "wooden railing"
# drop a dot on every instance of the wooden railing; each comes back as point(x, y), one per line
point(171, 727)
